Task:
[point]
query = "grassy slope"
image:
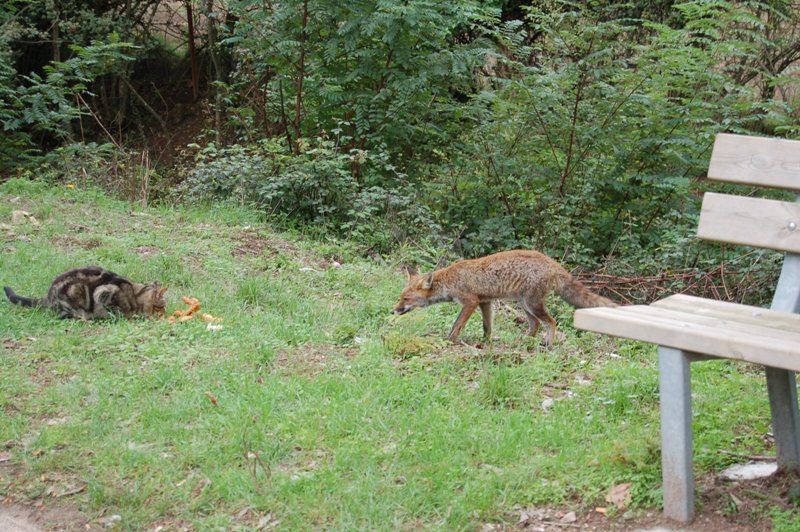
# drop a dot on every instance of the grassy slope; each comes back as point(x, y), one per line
point(326, 410)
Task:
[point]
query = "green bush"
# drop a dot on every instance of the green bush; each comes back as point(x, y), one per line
point(318, 186)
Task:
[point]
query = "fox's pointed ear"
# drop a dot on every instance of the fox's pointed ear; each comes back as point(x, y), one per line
point(427, 282)
point(411, 272)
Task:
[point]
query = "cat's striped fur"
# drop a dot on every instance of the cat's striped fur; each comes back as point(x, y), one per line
point(93, 292)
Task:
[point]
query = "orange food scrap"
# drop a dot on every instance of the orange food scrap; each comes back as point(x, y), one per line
point(208, 318)
point(194, 306)
point(191, 312)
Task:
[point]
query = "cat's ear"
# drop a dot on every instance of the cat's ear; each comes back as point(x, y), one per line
point(161, 291)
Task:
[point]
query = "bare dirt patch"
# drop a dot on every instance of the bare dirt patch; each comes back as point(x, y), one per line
point(170, 524)
point(146, 251)
point(14, 345)
point(310, 361)
point(303, 462)
point(276, 252)
point(747, 502)
point(16, 517)
point(649, 521)
point(186, 122)
point(49, 512)
point(250, 243)
point(73, 242)
point(724, 506)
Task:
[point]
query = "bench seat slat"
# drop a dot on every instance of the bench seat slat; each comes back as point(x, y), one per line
point(726, 310)
point(768, 339)
point(767, 162)
point(755, 222)
point(759, 326)
point(758, 343)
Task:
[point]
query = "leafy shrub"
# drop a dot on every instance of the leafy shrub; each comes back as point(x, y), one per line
point(314, 186)
point(318, 186)
point(46, 105)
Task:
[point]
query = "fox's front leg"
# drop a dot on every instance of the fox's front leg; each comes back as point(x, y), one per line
point(467, 310)
point(486, 313)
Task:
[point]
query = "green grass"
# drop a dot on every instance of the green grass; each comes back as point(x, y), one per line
point(314, 404)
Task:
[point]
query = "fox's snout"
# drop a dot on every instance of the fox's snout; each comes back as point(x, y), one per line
point(414, 296)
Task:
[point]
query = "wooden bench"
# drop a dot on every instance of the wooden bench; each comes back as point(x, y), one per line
point(689, 329)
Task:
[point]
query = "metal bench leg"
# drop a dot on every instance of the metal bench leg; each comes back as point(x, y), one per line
point(676, 433)
point(781, 384)
point(782, 390)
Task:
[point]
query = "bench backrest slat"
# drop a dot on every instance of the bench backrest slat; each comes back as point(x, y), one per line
point(766, 162)
point(750, 221)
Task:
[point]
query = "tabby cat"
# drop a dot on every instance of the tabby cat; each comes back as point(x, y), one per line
point(92, 293)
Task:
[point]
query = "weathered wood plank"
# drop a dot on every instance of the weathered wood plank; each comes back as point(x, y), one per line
point(767, 162)
point(698, 334)
point(725, 310)
point(758, 326)
point(750, 221)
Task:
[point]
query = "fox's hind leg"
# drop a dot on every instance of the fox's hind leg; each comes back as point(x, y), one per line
point(533, 323)
point(534, 309)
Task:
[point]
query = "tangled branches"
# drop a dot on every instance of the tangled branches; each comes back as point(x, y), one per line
point(745, 285)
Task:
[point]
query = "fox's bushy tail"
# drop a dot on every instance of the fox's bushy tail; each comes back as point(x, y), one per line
point(19, 300)
point(577, 295)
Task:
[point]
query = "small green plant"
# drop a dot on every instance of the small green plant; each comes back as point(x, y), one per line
point(499, 388)
point(403, 345)
point(250, 291)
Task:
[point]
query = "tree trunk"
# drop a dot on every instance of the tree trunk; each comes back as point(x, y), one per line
point(55, 38)
point(298, 104)
point(192, 53)
point(218, 68)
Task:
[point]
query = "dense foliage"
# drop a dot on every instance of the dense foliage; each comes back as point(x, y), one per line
point(580, 128)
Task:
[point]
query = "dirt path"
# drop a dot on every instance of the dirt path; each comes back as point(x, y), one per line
point(715, 512)
point(23, 518)
point(20, 518)
point(13, 519)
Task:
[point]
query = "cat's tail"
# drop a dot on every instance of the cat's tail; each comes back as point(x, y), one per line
point(19, 300)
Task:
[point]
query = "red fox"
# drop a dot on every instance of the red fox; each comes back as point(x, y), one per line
point(523, 275)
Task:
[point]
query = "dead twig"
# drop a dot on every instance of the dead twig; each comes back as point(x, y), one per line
point(559, 523)
point(754, 457)
point(253, 462)
point(721, 283)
